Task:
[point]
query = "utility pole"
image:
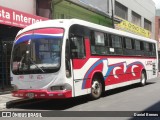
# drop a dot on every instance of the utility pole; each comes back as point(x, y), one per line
point(112, 14)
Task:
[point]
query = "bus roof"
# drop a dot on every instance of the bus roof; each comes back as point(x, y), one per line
point(66, 23)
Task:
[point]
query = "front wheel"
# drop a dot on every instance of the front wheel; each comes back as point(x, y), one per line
point(96, 88)
point(143, 79)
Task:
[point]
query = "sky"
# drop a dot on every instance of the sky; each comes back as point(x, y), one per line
point(157, 2)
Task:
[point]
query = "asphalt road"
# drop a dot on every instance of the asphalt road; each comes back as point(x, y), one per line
point(130, 98)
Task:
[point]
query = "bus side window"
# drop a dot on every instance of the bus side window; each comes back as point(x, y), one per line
point(137, 45)
point(152, 49)
point(77, 47)
point(116, 45)
point(139, 48)
point(99, 43)
point(147, 50)
point(128, 44)
point(142, 45)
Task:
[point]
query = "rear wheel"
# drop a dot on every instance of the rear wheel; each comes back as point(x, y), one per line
point(143, 79)
point(96, 88)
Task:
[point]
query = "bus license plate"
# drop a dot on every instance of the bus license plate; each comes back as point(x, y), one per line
point(30, 95)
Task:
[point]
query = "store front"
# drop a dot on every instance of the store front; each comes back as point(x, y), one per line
point(11, 21)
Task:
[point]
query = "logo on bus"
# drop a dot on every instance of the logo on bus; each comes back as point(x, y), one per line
point(21, 77)
point(40, 77)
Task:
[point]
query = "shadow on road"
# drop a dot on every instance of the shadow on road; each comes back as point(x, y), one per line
point(122, 89)
point(67, 103)
point(55, 104)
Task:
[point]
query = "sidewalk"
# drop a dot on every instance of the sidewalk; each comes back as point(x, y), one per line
point(5, 98)
point(5, 90)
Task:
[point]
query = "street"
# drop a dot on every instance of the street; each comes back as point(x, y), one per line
point(130, 98)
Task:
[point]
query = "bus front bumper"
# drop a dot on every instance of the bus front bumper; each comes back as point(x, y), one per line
point(43, 94)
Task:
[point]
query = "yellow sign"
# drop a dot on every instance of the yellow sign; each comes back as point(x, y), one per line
point(132, 28)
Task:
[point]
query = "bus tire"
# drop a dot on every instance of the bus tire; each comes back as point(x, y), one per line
point(143, 79)
point(96, 88)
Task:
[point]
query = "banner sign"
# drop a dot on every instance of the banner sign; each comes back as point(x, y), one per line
point(16, 18)
point(132, 28)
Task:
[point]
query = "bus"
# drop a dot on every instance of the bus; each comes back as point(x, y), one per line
point(65, 58)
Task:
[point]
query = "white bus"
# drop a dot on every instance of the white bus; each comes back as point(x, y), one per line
point(66, 58)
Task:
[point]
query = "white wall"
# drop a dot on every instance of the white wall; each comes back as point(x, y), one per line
point(27, 6)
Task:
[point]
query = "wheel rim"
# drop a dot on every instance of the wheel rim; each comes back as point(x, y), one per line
point(96, 89)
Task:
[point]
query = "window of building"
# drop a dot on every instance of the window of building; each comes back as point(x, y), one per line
point(102, 5)
point(136, 19)
point(43, 8)
point(121, 10)
point(147, 25)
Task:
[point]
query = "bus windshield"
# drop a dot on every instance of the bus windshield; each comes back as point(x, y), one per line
point(37, 54)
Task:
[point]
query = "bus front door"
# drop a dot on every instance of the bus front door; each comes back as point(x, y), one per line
point(79, 58)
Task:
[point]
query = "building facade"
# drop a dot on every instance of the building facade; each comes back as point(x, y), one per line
point(66, 9)
point(157, 32)
point(138, 16)
point(139, 12)
point(157, 27)
point(14, 15)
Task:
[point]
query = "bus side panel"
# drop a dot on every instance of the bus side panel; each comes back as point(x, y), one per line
point(117, 71)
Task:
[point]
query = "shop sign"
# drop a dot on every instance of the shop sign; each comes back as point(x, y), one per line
point(132, 28)
point(16, 18)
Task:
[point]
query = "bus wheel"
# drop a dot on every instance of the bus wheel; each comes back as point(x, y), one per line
point(96, 88)
point(143, 79)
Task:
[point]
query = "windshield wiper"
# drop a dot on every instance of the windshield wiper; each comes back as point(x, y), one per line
point(20, 62)
point(36, 65)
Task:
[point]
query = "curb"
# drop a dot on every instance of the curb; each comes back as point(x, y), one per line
point(5, 92)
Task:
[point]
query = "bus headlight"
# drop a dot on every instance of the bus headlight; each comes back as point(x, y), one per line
point(61, 87)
